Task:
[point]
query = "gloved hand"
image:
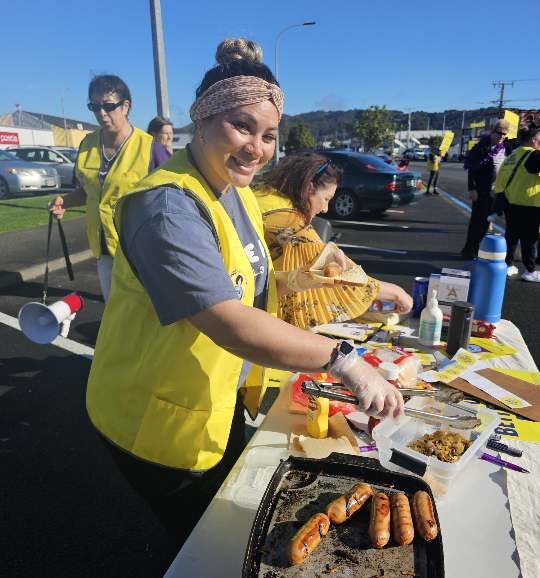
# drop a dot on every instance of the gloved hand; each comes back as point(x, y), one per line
point(499, 204)
point(300, 280)
point(377, 397)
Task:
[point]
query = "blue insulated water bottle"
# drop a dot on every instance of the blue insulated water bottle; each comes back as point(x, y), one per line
point(488, 279)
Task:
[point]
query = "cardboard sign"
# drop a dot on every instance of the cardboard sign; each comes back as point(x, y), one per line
point(446, 142)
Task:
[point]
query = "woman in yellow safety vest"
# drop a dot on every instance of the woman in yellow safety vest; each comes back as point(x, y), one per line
point(519, 180)
point(299, 188)
point(110, 161)
point(190, 321)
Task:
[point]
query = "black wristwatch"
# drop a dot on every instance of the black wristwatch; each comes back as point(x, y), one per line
point(342, 349)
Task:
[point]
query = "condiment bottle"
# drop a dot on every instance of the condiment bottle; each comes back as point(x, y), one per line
point(431, 322)
point(317, 416)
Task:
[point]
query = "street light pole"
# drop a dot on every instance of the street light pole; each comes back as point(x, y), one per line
point(162, 96)
point(64, 117)
point(276, 69)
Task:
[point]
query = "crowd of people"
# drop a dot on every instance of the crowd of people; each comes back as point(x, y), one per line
point(206, 284)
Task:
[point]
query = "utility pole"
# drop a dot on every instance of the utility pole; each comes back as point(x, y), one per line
point(64, 117)
point(428, 119)
point(160, 74)
point(501, 84)
point(409, 131)
point(444, 121)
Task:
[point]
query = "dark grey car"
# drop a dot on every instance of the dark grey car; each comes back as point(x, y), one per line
point(370, 184)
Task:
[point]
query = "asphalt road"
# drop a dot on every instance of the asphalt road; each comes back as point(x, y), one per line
point(66, 510)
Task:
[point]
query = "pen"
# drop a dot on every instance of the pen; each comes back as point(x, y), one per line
point(503, 463)
point(370, 448)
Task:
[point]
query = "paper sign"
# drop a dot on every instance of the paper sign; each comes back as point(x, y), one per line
point(453, 286)
point(461, 362)
point(446, 142)
point(504, 396)
point(488, 348)
point(529, 376)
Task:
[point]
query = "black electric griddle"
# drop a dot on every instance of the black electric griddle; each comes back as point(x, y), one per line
point(301, 487)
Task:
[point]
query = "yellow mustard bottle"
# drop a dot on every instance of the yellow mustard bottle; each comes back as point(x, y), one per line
point(317, 416)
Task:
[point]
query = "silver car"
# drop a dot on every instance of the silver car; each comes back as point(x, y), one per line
point(19, 177)
point(50, 157)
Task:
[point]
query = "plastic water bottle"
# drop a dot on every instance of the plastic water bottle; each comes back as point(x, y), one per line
point(431, 320)
point(488, 279)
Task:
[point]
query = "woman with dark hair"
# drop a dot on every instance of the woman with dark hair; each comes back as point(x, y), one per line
point(191, 323)
point(162, 131)
point(294, 192)
point(110, 161)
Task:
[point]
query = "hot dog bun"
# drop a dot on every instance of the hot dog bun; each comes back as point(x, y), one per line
point(327, 271)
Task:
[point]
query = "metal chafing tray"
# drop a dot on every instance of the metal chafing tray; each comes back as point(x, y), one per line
point(301, 487)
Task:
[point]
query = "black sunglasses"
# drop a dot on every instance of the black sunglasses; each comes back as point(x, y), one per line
point(106, 106)
point(320, 171)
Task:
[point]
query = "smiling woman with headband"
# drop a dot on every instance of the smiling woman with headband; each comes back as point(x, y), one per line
point(191, 318)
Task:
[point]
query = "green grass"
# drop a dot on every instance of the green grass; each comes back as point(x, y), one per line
point(30, 212)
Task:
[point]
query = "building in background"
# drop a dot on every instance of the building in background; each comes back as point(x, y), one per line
point(180, 139)
point(22, 128)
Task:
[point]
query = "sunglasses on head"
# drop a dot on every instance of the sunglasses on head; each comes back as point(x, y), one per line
point(320, 171)
point(106, 106)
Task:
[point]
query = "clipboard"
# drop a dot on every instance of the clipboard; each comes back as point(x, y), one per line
point(525, 390)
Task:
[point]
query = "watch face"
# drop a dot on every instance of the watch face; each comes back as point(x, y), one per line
point(345, 348)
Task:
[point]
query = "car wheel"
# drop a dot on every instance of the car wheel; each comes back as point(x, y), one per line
point(4, 189)
point(344, 205)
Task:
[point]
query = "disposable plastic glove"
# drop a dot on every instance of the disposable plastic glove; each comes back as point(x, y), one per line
point(377, 397)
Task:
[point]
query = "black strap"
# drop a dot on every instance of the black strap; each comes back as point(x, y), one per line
point(518, 164)
point(66, 256)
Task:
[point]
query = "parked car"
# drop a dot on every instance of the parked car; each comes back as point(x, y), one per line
point(416, 154)
point(18, 177)
point(370, 184)
point(51, 157)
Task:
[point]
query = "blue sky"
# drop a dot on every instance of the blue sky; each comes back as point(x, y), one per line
point(408, 54)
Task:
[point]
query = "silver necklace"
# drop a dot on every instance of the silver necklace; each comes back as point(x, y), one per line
point(116, 150)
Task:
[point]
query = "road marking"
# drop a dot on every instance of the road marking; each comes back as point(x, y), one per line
point(375, 249)
point(394, 211)
point(466, 208)
point(62, 342)
point(370, 224)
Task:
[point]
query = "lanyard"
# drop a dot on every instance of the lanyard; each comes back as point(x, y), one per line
point(66, 256)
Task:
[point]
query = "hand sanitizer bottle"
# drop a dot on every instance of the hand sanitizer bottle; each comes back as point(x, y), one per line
point(431, 322)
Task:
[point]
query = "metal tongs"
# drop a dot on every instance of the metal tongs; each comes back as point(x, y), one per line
point(448, 395)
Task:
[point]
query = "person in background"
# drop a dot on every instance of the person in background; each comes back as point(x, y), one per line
point(519, 181)
point(162, 131)
point(109, 162)
point(191, 322)
point(483, 162)
point(294, 192)
point(433, 166)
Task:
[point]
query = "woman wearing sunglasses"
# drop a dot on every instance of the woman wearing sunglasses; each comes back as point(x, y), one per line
point(110, 161)
point(190, 322)
point(299, 188)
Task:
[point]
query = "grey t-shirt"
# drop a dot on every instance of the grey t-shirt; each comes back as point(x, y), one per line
point(171, 246)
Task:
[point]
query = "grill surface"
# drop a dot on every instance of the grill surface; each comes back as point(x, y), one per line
point(302, 487)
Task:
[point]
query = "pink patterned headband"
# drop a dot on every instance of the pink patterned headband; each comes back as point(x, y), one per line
point(234, 92)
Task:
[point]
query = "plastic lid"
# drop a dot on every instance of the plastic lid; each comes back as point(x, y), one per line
point(390, 371)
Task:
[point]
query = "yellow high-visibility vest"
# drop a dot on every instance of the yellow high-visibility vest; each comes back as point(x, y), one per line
point(167, 393)
point(524, 188)
point(435, 164)
point(128, 169)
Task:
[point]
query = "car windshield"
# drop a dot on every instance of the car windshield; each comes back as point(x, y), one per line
point(373, 163)
point(7, 156)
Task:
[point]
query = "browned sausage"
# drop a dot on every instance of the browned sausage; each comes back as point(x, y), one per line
point(342, 508)
point(379, 524)
point(424, 516)
point(308, 538)
point(332, 270)
point(402, 524)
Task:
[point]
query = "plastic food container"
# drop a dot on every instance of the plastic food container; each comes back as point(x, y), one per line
point(247, 484)
point(393, 436)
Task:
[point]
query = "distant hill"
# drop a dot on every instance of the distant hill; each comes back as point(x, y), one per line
point(338, 124)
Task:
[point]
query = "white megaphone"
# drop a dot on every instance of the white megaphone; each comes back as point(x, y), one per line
point(43, 323)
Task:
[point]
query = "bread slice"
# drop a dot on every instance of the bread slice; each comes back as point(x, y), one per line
point(327, 271)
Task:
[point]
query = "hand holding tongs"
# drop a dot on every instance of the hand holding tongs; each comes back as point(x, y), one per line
point(339, 392)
